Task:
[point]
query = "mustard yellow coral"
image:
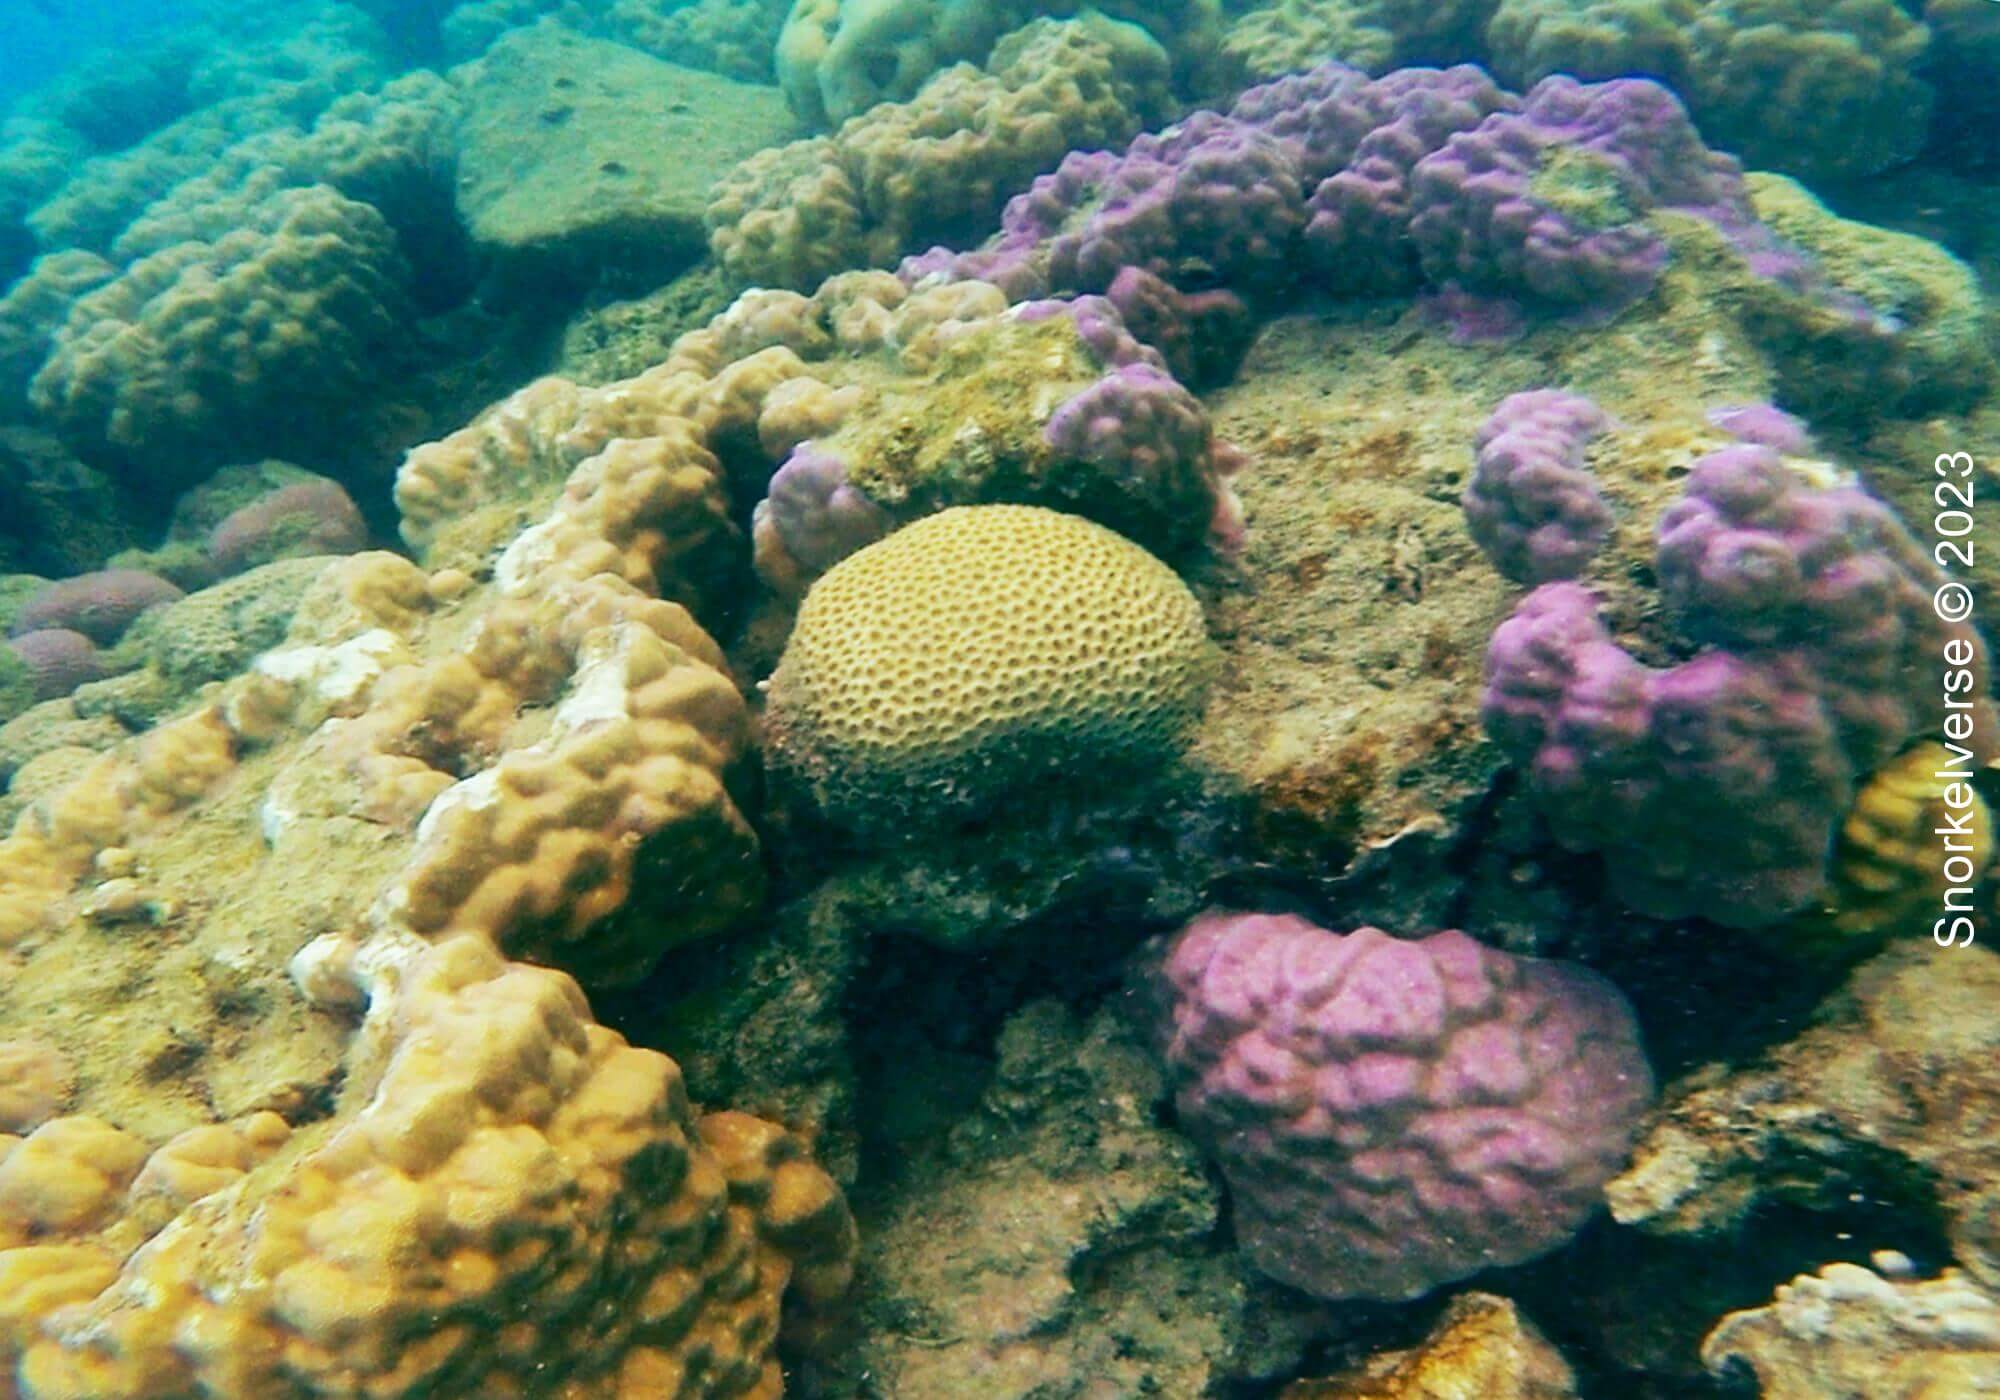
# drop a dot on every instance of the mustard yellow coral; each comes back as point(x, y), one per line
point(976, 649)
point(524, 1206)
point(1888, 865)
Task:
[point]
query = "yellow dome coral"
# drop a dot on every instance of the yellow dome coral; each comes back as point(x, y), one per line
point(1887, 863)
point(977, 649)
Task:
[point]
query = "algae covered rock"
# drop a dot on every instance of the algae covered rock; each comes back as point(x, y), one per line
point(1482, 1347)
point(1056, 1239)
point(1848, 1330)
point(583, 159)
point(976, 651)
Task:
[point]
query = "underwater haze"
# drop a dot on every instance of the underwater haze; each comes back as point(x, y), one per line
point(990, 700)
point(46, 36)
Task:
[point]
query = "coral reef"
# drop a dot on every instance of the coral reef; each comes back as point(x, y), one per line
point(836, 706)
point(838, 58)
point(1715, 785)
point(1848, 1330)
point(940, 164)
point(977, 651)
point(583, 159)
point(1889, 1092)
point(1391, 1115)
point(1481, 1346)
point(251, 343)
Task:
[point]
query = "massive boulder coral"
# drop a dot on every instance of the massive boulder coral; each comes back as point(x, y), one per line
point(251, 344)
point(475, 770)
point(939, 165)
point(838, 58)
point(1393, 1115)
point(273, 71)
point(1889, 323)
point(392, 147)
point(1816, 90)
point(1292, 35)
point(1715, 785)
point(974, 653)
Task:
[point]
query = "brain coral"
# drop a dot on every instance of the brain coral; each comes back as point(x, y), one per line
point(1392, 1115)
point(979, 647)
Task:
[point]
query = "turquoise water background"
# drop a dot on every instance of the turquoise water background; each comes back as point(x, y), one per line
point(40, 38)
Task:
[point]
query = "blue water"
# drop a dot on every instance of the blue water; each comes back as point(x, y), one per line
point(43, 37)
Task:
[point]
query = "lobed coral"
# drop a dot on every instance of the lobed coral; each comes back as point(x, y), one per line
point(1054, 405)
point(940, 163)
point(495, 1087)
point(975, 652)
point(1718, 782)
point(541, 764)
point(1394, 1115)
point(838, 58)
point(1532, 505)
point(1290, 35)
point(252, 342)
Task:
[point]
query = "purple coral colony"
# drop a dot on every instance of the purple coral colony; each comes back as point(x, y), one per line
point(968, 699)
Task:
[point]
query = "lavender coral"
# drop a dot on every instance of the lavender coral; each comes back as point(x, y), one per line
point(1715, 785)
point(1551, 200)
point(100, 605)
point(1533, 505)
point(1431, 179)
point(57, 660)
point(308, 517)
point(1394, 1115)
point(811, 519)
